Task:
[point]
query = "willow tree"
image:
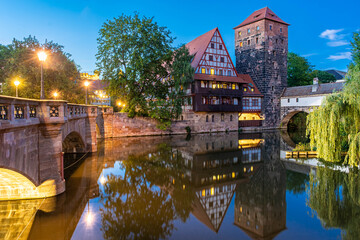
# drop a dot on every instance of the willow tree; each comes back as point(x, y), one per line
point(335, 126)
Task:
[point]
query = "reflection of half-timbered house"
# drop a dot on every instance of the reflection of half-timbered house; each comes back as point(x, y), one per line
point(219, 95)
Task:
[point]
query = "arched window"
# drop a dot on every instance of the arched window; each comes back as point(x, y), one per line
point(213, 118)
point(182, 118)
point(207, 118)
point(222, 117)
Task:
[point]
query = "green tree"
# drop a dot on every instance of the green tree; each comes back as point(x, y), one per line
point(336, 122)
point(19, 60)
point(324, 77)
point(136, 56)
point(299, 70)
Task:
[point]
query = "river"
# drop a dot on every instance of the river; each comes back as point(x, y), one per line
point(218, 186)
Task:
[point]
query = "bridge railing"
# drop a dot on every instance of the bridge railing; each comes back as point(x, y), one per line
point(17, 112)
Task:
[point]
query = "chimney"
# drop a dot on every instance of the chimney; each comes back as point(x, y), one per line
point(315, 85)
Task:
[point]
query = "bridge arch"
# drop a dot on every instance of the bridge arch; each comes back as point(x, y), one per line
point(73, 143)
point(16, 185)
point(288, 115)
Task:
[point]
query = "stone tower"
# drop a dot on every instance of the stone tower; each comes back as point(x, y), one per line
point(261, 48)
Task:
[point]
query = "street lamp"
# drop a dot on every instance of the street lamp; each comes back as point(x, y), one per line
point(55, 94)
point(42, 58)
point(17, 83)
point(86, 83)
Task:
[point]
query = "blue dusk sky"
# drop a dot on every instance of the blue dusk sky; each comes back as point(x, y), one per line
point(320, 30)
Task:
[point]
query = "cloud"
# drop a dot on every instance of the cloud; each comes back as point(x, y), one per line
point(309, 55)
point(337, 43)
point(332, 34)
point(340, 56)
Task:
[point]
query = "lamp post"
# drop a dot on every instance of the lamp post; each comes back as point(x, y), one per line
point(17, 83)
point(86, 83)
point(42, 58)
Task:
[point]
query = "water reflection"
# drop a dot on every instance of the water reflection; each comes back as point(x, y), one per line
point(222, 185)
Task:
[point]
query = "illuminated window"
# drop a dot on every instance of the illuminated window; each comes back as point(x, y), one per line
point(212, 191)
point(202, 84)
point(241, 44)
point(203, 193)
point(239, 34)
point(245, 89)
point(212, 71)
point(233, 174)
point(203, 70)
point(252, 89)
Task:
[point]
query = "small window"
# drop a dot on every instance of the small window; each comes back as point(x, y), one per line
point(222, 117)
point(229, 72)
point(248, 31)
point(272, 88)
point(220, 72)
point(245, 89)
point(281, 29)
point(222, 59)
point(207, 120)
point(213, 120)
point(220, 47)
point(288, 100)
point(272, 100)
point(282, 41)
point(249, 42)
point(230, 121)
point(257, 40)
point(241, 44)
point(212, 71)
point(236, 101)
point(270, 27)
point(212, 45)
point(252, 89)
point(297, 100)
point(203, 70)
point(274, 52)
point(276, 40)
point(239, 34)
point(257, 28)
point(211, 58)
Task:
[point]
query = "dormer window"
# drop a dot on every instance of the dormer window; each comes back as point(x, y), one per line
point(212, 45)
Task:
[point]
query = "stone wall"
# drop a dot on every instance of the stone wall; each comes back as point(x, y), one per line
point(120, 125)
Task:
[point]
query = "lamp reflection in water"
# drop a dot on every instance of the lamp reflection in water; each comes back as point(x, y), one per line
point(89, 218)
point(102, 180)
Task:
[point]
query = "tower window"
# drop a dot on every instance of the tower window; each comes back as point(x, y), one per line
point(222, 59)
point(207, 120)
point(212, 45)
point(270, 27)
point(257, 28)
point(211, 58)
point(272, 88)
point(213, 119)
point(230, 121)
point(257, 40)
point(220, 47)
point(222, 117)
point(239, 34)
point(281, 30)
point(248, 31)
point(282, 41)
point(248, 42)
point(241, 44)
point(276, 40)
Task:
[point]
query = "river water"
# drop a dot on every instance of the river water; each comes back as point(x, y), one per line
point(218, 186)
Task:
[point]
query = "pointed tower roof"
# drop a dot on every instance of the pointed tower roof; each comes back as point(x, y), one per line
point(198, 46)
point(264, 13)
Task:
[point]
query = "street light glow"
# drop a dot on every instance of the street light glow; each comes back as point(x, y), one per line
point(42, 56)
point(55, 94)
point(86, 83)
point(16, 83)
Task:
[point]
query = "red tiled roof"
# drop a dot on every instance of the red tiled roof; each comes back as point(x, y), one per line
point(264, 13)
point(219, 78)
point(198, 46)
point(250, 82)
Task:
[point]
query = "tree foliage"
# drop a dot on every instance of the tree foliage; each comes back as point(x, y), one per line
point(135, 55)
point(19, 60)
point(299, 70)
point(324, 77)
point(335, 125)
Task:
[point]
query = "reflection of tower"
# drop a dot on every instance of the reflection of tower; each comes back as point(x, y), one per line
point(260, 204)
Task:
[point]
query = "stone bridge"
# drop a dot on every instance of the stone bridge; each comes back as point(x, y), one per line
point(288, 112)
point(34, 134)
